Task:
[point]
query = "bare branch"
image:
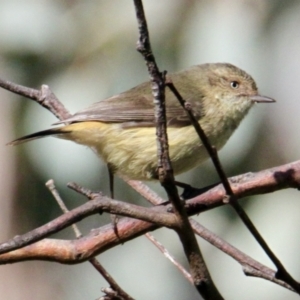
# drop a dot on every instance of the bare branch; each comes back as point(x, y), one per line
point(50, 185)
point(102, 239)
point(119, 292)
point(45, 97)
point(267, 181)
point(169, 256)
point(201, 277)
point(232, 198)
point(157, 215)
point(250, 266)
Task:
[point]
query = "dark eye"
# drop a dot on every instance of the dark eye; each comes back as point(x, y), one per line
point(234, 84)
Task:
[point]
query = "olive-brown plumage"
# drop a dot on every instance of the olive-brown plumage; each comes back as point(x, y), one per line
point(121, 129)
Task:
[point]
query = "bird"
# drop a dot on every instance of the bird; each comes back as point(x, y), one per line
point(121, 129)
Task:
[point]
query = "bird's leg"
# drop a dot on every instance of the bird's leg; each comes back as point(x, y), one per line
point(191, 192)
point(111, 181)
point(113, 217)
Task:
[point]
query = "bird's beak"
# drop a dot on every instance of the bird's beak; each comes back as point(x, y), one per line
point(261, 99)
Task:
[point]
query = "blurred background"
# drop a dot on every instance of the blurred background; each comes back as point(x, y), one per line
point(85, 51)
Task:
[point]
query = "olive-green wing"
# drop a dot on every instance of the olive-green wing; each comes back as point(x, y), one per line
point(135, 108)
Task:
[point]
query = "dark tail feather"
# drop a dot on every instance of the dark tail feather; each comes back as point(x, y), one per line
point(37, 135)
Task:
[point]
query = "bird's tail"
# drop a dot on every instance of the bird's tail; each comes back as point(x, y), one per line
point(37, 135)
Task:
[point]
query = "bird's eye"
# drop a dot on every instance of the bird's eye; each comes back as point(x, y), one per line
point(234, 84)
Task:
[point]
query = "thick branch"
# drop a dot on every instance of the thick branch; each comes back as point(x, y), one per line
point(157, 215)
point(250, 266)
point(102, 239)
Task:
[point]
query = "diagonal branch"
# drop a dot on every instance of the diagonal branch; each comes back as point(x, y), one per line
point(158, 215)
point(232, 199)
point(198, 269)
point(102, 239)
point(44, 97)
point(249, 184)
point(250, 266)
point(116, 289)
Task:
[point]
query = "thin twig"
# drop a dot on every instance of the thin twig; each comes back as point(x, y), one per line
point(250, 266)
point(154, 199)
point(170, 257)
point(51, 186)
point(44, 97)
point(95, 263)
point(144, 191)
point(83, 191)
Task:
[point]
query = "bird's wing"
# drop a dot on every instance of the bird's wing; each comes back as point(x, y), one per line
point(135, 108)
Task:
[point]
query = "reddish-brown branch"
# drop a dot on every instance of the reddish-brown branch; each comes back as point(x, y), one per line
point(102, 239)
point(250, 266)
point(114, 286)
point(267, 181)
point(76, 251)
point(157, 215)
point(232, 198)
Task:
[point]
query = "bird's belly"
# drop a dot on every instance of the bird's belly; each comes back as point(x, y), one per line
point(133, 151)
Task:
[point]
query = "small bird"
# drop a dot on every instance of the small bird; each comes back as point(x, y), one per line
point(121, 129)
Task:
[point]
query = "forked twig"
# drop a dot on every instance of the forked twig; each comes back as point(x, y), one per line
point(250, 266)
point(232, 199)
point(116, 289)
point(44, 97)
point(201, 277)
